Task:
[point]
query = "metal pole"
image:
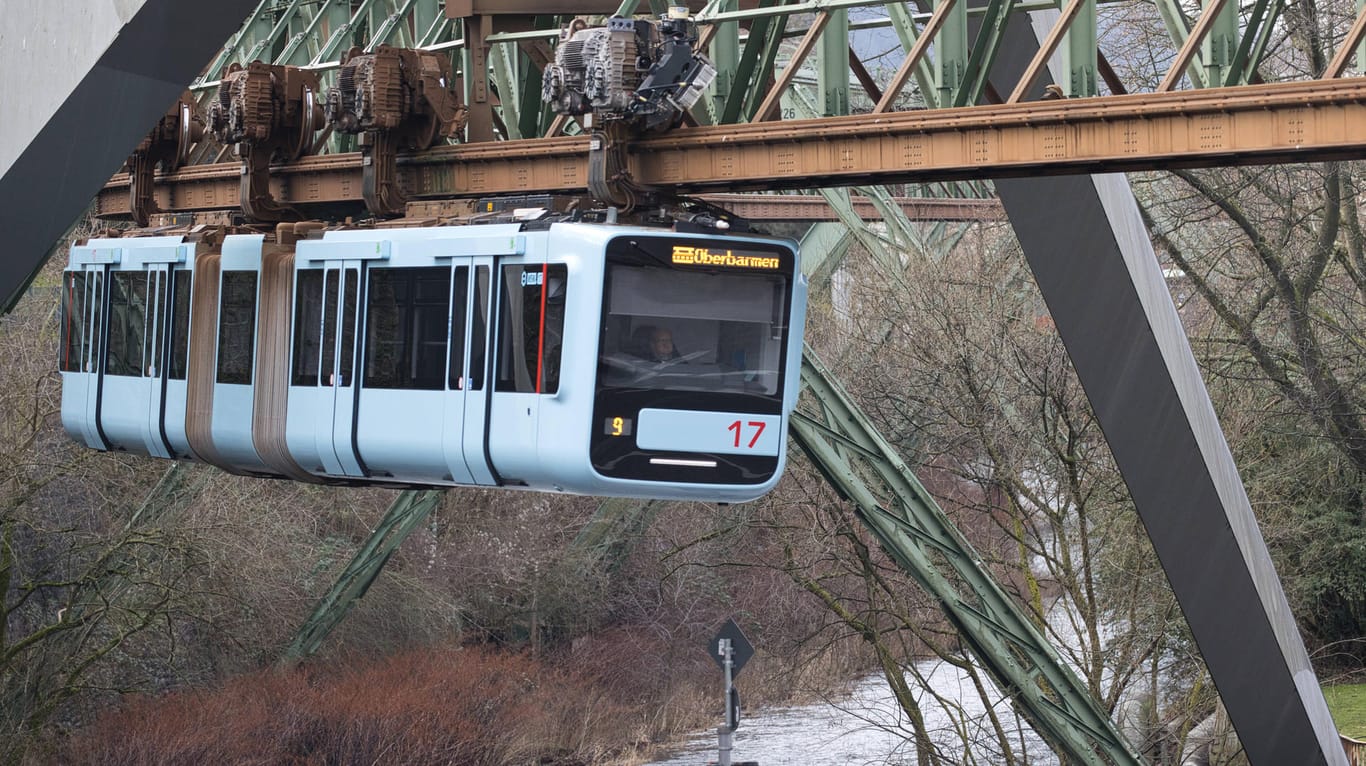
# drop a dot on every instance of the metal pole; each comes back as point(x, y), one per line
point(727, 730)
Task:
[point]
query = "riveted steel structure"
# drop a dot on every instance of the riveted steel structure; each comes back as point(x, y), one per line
point(791, 74)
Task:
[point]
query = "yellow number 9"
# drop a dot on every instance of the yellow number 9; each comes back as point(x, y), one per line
point(616, 426)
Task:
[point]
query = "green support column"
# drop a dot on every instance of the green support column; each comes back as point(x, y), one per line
point(725, 56)
point(504, 78)
point(757, 48)
point(1220, 46)
point(1179, 29)
point(832, 65)
point(951, 52)
point(425, 14)
point(759, 79)
point(1079, 53)
point(1261, 21)
point(926, 77)
point(982, 54)
point(608, 538)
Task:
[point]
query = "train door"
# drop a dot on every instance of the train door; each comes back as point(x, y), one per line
point(527, 348)
point(326, 294)
point(130, 413)
point(466, 400)
point(404, 367)
point(81, 360)
point(177, 338)
point(334, 418)
point(158, 277)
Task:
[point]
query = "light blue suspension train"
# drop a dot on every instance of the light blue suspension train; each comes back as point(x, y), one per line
point(569, 357)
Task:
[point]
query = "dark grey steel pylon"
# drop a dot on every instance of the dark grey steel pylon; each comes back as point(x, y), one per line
point(160, 47)
point(1094, 263)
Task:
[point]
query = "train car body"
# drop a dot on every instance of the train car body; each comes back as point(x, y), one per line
point(124, 352)
point(569, 357)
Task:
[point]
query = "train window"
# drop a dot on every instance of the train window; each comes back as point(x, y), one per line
point(95, 308)
point(459, 302)
point(180, 324)
point(479, 333)
point(348, 328)
point(407, 317)
point(236, 326)
point(308, 326)
point(127, 322)
point(75, 320)
point(531, 328)
point(156, 321)
point(695, 331)
point(329, 327)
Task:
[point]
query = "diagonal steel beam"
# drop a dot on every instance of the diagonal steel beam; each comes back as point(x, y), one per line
point(1094, 264)
point(406, 513)
point(892, 504)
point(59, 148)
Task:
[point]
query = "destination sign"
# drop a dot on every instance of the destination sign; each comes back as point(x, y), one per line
point(684, 255)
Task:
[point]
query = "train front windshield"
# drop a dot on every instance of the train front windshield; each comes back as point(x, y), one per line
point(689, 326)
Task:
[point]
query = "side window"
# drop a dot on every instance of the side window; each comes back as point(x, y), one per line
point(153, 340)
point(407, 318)
point(95, 337)
point(75, 320)
point(236, 327)
point(350, 295)
point(479, 330)
point(182, 282)
point(127, 322)
point(531, 328)
point(331, 285)
point(308, 326)
point(459, 303)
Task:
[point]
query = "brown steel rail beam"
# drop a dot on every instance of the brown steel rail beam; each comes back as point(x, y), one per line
point(1255, 124)
point(793, 207)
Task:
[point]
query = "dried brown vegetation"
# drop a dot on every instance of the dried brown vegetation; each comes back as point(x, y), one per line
point(439, 706)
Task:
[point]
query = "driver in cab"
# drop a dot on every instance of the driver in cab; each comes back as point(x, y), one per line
point(660, 347)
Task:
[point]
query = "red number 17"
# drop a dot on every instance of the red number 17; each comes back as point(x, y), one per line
point(757, 425)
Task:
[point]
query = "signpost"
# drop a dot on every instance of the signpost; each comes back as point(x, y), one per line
point(731, 651)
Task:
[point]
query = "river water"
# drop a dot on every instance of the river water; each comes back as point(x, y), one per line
point(869, 729)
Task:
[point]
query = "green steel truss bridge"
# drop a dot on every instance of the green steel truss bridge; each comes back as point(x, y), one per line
point(1019, 91)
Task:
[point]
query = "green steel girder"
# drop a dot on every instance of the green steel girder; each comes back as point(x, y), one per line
point(759, 80)
point(613, 531)
point(911, 528)
point(984, 49)
point(297, 51)
point(1361, 46)
point(1219, 49)
point(386, 29)
point(761, 46)
point(823, 250)
point(725, 56)
point(505, 66)
point(256, 25)
point(408, 511)
point(1179, 28)
point(950, 63)
point(926, 75)
point(1079, 54)
point(263, 48)
point(832, 65)
point(1261, 21)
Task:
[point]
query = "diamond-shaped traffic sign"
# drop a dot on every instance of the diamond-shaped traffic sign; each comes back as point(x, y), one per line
point(740, 648)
